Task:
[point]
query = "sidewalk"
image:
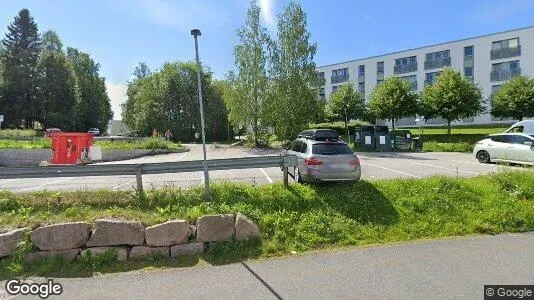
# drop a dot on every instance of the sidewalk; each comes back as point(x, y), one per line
point(448, 268)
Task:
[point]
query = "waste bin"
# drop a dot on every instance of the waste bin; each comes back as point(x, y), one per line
point(70, 148)
point(417, 144)
point(401, 140)
point(367, 142)
point(381, 137)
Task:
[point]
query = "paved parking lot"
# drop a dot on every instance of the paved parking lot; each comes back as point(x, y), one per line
point(374, 166)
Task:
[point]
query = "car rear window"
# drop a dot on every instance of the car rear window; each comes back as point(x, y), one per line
point(331, 149)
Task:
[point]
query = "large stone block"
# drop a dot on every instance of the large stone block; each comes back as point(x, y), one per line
point(187, 249)
point(122, 251)
point(10, 240)
point(215, 228)
point(66, 255)
point(143, 251)
point(116, 232)
point(245, 228)
point(169, 233)
point(61, 236)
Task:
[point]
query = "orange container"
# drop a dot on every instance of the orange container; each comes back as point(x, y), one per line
point(71, 148)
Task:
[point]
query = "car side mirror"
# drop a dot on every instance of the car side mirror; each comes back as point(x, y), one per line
point(528, 143)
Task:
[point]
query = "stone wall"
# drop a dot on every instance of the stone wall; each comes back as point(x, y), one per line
point(32, 157)
point(130, 239)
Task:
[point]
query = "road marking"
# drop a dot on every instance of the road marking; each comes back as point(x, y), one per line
point(42, 185)
point(395, 171)
point(450, 169)
point(9, 180)
point(266, 176)
point(121, 185)
point(467, 162)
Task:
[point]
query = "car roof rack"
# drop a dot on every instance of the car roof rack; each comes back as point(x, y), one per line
point(320, 135)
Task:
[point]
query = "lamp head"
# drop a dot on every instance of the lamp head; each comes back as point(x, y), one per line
point(195, 32)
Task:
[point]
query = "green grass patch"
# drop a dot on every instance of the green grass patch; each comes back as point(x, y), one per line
point(300, 218)
point(19, 133)
point(45, 143)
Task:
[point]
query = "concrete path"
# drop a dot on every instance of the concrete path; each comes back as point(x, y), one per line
point(454, 268)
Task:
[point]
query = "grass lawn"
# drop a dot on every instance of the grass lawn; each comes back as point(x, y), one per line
point(45, 143)
point(301, 218)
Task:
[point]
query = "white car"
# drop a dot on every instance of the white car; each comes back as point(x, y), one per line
point(94, 131)
point(506, 147)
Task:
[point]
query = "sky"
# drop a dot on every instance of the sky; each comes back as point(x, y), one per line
point(120, 33)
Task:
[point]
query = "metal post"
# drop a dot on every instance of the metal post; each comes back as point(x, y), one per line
point(285, 172)
point(139, 179)
point(207, 193)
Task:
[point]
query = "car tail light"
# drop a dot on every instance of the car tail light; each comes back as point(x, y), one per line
point(313, 161)
point(355, 162)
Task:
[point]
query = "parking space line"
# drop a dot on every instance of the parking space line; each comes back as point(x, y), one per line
point(9, 180)
point(121, 185)
point(445, 168)
point(387, 169)
point(48, 183)
point(266, 176)
point(467, 162)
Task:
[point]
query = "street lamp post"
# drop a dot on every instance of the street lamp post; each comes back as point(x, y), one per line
point(207, 193)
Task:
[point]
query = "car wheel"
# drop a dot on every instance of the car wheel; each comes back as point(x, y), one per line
point(483, 157)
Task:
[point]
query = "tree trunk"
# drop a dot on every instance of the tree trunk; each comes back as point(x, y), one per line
point(392, 124)
point(448, 127)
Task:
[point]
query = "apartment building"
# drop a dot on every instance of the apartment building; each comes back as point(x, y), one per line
point(488, 60)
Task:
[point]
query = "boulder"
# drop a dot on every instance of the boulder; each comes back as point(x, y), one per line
point(116, 232)
point(10, 240)
point(61, 236)
point(66, 255)
point(245, 228)
point(169, 233)
point(122, 251)
point(215, 228)
point(143, 251)
point(187, 249)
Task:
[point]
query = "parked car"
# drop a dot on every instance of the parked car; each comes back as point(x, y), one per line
point(322, 156)
point(525, 126)
point(50, 131)
point(94, 131)
point(506, 147)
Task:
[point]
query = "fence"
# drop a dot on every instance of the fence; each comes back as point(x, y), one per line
point(284, 162)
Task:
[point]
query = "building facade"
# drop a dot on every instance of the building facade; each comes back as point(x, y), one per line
point(488, 60)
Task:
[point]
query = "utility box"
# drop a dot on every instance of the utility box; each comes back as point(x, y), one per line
point(366, 137)
point(69, 148)
point(381, 137)
point(401, 140)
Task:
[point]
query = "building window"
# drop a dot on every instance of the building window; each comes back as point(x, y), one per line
point(505, 48)
point(379, 71)
point(430, 78)
point(361, 73)
point(412, 80)
point(468, 73)
point(469, 62)
point(405, 65)
point(320, 75)
point(437, 59)
point(468, 51)
point(361, 88)
point(335, 88)
point(321, 93)
point(340, 75)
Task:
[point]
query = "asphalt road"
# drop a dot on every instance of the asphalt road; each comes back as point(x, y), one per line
point(374, 166)
point(455, 268)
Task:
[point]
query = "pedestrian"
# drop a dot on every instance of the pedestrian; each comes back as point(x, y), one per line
point(168, 134)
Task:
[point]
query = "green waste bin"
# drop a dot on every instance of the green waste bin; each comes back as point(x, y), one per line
point(417, 144)
point(401, 140)
point(366, 135)
point(381, 137)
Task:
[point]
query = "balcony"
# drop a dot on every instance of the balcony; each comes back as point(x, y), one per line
point(503, 75)
point(339, 78)
point(506, 52)
point(438, 63)
point(361, 78)
point(401, 69)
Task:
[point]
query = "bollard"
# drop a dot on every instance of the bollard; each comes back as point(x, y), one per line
point(286, 181)
point(139, 179)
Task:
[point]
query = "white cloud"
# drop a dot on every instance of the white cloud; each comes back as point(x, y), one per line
point(267, 12)
point(117, 95)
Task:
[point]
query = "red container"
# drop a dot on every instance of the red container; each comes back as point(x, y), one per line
point(70, 148)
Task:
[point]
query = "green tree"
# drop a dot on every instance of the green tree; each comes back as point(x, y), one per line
point(50, 41)
point(293, 104)
point(347, 104)
point(19, 59)
point(57, 90)
point(246, 101)
point(393, 99)
point(515, 99)
point(452, 97)
point(93, 108)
